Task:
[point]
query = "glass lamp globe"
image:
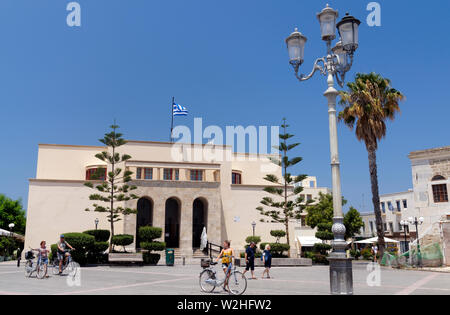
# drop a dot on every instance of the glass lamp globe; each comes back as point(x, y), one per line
point(339, 51)
point(348, 29)
point(421, 220)
point(327, 18)
point(296, 47)
point(411, 220)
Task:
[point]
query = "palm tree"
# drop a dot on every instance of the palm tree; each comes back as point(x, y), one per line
point(368, 104)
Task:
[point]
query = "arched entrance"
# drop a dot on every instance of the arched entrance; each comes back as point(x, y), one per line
point(199, 220)
point(144, 215)
point(172, 223)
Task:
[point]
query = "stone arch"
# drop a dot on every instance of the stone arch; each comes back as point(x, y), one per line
point(144, 216)
point(172, 222)
point(199, 219)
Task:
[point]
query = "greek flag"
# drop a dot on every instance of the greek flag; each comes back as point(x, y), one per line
point(179, 110)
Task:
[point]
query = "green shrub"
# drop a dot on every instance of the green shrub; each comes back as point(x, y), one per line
point(321, 248)
point(262, 246)
point(325, 235)
point(150, 258)
point(367, 254)
point(122, 240)
point(153, 246)
point(99, 247)
point(278, 249)
point(319, 259)
point(254, 239)
point(355, 253)
point(149, 233)
point(7, 246)
point(100, 235)
point(82, 243)
point(278, 234)
point(53, 251)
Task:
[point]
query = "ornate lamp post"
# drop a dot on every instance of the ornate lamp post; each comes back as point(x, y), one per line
point(417, 222)
point(96, 223)
point(253, 226)
point(335, 64)
point(405, 225)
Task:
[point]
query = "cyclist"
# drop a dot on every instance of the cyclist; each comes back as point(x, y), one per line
point(63, 253)
point(227, 255)
point(43, 257)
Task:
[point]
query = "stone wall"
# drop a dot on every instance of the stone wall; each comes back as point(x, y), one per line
point(441, 167)
point(185, 193)
point(446, 241)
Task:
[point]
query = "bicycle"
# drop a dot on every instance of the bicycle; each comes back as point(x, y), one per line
point(34, 267)
point(68, 265)
point(208, 280)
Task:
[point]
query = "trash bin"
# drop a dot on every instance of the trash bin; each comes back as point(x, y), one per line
point(170, 256)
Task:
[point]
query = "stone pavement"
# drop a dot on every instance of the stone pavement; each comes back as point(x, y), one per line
point(183, 280)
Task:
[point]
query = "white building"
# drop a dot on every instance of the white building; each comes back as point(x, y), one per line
point(427, 199)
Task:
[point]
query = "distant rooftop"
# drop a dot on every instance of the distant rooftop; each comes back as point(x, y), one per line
point(430, 152)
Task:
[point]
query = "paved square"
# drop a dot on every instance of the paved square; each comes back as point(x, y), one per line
point(184, 280)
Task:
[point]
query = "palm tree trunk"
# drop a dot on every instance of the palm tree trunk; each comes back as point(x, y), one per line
point(376, 198)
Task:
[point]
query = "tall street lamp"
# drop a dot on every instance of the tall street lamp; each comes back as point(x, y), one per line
point(335, 64)
point(96, 223)
point(253, 226)
point(405, 226)
point(417, 222)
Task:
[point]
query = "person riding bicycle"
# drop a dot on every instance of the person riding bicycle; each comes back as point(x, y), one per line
point(63, 253)
point(227, 255)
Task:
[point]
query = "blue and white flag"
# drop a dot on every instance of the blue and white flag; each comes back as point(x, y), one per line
point(179, 110)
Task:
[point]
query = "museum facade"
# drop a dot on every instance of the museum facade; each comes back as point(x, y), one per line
point(182, 188)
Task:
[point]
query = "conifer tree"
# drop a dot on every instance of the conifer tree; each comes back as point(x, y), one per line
point(114, 186)
point(286, 204)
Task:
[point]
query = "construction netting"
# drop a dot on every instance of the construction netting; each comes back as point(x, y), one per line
point(423, 256)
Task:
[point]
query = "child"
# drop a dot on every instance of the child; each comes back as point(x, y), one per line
point(43, 256)
point(267, 258)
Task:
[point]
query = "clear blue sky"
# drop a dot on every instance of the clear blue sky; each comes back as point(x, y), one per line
point(224, 60)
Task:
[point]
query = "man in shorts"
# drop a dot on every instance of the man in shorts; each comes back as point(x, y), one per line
point(63, 254)
point(250, 259)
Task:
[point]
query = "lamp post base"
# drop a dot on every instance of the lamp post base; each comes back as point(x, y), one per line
point(341, 275)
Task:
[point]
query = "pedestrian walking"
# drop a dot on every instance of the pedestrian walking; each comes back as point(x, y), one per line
point(250, 259)
point(267, 259)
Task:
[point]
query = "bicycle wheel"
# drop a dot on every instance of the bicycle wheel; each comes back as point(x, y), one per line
point(237, 283)
point(205, 285)
point(40, 271)
point(28, 268)
point(55, 267)
point(71, 268)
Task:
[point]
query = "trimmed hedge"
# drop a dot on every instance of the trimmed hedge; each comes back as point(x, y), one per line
point(254, 239)
point(122, 240)
point(82, 243)
point(100, 235)
point(153, 246)
point(149, 233)
point(277, 249)
point(150, 258)
point(321, 248)
point(278, 234)
point(99, 247)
